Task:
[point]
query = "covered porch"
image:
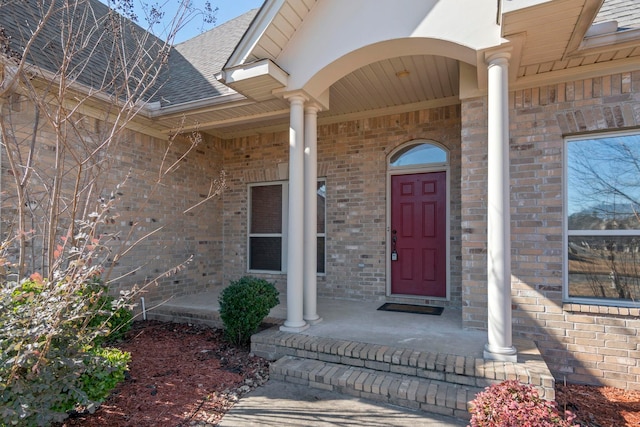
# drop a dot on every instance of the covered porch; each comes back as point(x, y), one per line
point(349, 320)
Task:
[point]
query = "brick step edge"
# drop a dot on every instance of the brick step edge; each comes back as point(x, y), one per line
point(169, 313)
point(461, 370)
point(402, 390)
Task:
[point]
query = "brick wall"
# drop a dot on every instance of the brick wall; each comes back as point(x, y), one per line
point(196, 234)
point(352, 156)
point(589, 344)
point(143, 205)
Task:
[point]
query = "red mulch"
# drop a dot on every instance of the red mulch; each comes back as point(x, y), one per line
point(179, 375)
point(600, 406)
point(186, 375)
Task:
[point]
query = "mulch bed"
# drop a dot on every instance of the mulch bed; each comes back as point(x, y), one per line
point(187, 375)
point(179, 375)
point(600, 406)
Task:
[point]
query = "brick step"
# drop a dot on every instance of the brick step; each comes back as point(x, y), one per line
point(466, 371)
point(402, 390)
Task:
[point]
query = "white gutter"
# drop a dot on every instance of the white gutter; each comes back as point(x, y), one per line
point(157, 111)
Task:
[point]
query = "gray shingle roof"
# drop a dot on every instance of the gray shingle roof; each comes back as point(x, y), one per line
point(194, 63)
point(626, 12)
point(87, 26)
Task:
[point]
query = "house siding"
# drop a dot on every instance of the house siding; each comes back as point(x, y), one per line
point(581, 343)
point(352, 156)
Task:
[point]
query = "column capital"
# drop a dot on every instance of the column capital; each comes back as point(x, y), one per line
point(297, 96)
point(498, 56)
point(312, 108)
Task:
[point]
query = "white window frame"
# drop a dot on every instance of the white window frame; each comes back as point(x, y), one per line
point(567, 233)
point(285, 221)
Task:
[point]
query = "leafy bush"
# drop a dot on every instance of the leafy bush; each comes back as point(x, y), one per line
point(244, 305)
point(105, 369)
point(114, 321)
point(51, 361)
point(510, 403)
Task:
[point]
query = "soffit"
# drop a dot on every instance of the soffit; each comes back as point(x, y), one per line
point(398, 84)
point(282, 28)
point(553, 35)
point(272, 29)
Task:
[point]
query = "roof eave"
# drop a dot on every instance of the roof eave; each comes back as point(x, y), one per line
point(256, 80)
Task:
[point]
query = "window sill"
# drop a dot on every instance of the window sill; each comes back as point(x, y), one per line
point(601, 309)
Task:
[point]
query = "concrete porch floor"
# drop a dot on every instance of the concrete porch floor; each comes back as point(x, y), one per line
point(360, 321)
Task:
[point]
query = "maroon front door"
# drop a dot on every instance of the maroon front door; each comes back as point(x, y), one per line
point(418, 234)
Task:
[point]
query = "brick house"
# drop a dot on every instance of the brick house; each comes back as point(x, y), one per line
point(478, 155)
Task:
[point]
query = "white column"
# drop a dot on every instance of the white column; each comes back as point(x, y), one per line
point(499, 345)
point(310, 214)
point(295, 322)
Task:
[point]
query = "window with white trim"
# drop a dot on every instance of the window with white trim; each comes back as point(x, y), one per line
point(602, 246)
point(267, 241)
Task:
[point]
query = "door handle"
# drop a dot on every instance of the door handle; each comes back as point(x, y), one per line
point(394, 252)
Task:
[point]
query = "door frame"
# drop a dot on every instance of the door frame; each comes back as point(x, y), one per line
point(413, 169)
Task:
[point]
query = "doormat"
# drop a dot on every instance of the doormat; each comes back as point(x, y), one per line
point(409, 308)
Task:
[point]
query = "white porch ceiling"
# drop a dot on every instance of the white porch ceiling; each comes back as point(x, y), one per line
point(395, 82)
point(379, 87)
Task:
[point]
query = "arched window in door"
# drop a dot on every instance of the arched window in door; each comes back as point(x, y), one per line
point(419, 153)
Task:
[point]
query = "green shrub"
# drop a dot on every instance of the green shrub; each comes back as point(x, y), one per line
point(114, 321)
point(511, 403)
point(244, 305)
point(51, 360)
point(105, 370)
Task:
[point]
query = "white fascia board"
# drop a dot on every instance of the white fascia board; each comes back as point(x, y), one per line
point(255, 69)
point(513, 5)
point(254, 33)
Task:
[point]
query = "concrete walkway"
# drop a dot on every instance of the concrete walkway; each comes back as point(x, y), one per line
point(279, 403)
